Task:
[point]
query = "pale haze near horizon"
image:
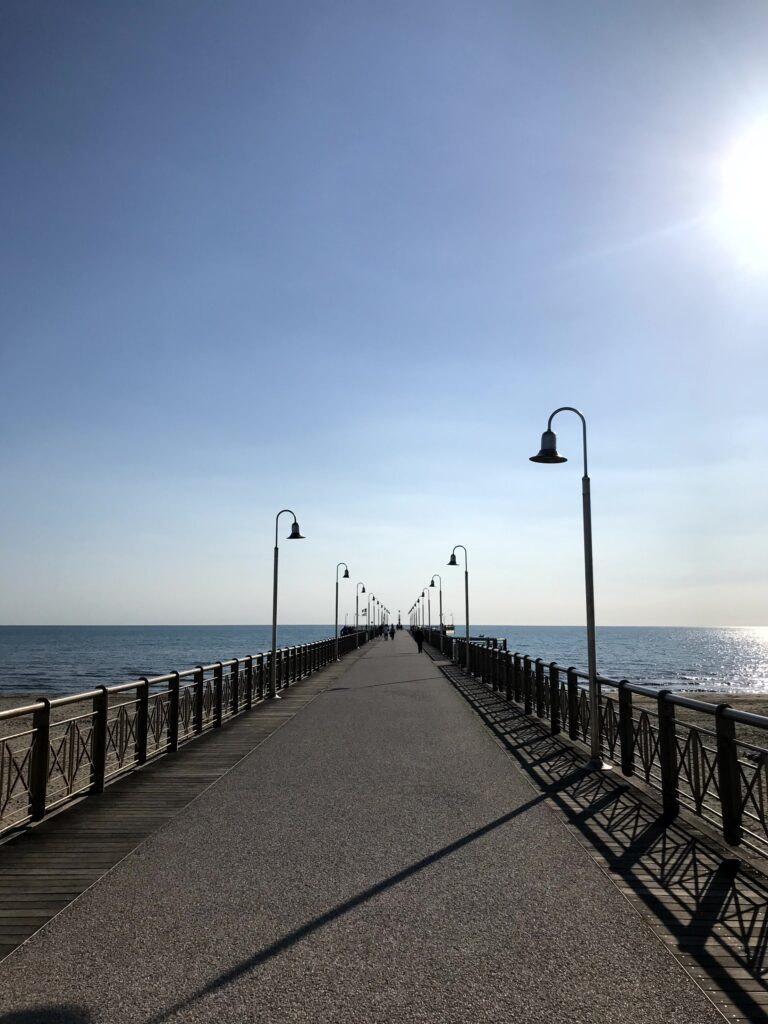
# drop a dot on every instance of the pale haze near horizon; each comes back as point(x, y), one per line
point(346, 259)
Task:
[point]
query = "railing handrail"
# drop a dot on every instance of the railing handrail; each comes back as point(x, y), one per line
point(73, 698)
point(705, 767)
point(50, 759)
point(702, 706)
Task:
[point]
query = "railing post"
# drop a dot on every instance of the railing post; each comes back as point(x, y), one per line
point(199, 690)
point(507, 675)
point(517, 680)
point(667, 753)
point(249, 681)
point(626, 729)
point(38, 767)
point(573, 704)
point(142, 720)
point(234, 701)
point(539, 688)
point(218, 685)
point(554, 698)
point(728, 775)
point(173, 712)
point(527, 695)
point(100, 712)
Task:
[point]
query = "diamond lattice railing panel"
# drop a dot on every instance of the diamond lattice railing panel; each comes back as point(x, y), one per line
point(754, 788)
point(645, 743)
point(14, 777)
point(696, 770)
point(121, 738)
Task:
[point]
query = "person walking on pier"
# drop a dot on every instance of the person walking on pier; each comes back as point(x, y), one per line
point(391, 632)
point(418, 636)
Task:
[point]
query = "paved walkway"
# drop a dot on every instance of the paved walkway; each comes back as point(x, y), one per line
point(379, 859)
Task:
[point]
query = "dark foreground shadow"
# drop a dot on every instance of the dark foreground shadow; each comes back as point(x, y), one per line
point(48, 1015)
point(711, 910)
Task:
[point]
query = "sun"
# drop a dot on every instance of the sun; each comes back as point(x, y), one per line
point(743, 214)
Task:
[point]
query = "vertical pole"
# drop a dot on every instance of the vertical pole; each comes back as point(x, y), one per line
point(218, 681)
point(573, 704)
point(249, 681)
point(539, 688)
point(173, 712)
point(516, 677)
point(554, 698)
point(527, 695)
point(466, 603)
point(729, 776)
point(199, 688)
point(142, 720)
point(273, 663)
point(596, 760)
point(357, 617)
point(626, 729)
point(336, 616)
point(100, 712)
point(667, 753)
point(38, 769)
point(235, 693)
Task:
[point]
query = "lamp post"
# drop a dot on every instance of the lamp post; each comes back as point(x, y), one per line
point(441, 598)
point(295, 534)
point(358, 592)
point(336, 617)
point(466, 589)
point(429, 614)
point(550, 454)
point(371, 608)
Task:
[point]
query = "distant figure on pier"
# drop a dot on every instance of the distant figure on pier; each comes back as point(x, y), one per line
point(391, 632)
point(418, 636)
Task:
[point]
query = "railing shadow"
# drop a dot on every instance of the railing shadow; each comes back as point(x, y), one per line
point(262, 956)
point(710, 909)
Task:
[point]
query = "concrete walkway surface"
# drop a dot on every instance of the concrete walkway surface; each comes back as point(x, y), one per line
point(380, 858)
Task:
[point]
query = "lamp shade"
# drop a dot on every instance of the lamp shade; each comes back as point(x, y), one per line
point(453, 559)
point(296, 533)
point(346, 574)
point(363, 590)
point(433, 582)
point(549, 452)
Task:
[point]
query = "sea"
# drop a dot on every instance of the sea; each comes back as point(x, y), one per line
point(55, 660)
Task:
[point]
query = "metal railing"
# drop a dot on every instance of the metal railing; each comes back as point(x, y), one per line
point(54, 750)
point(706, 767)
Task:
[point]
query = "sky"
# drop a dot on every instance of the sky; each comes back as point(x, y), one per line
point(345, 259)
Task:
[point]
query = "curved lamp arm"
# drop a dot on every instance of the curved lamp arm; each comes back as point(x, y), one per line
point(570, 408)
point(282, 510)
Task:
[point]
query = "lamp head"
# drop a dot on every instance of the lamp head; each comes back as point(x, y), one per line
point(453, 559)
point(433, 582)
point(549, 452)
point(363, 590)
point(296, 533)
point(346, 574)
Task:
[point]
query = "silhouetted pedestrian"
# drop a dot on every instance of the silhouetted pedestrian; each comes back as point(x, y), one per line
point(418, 636)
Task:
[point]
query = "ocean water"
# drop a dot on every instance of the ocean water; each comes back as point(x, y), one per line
point(68, 659)
point(732, 659)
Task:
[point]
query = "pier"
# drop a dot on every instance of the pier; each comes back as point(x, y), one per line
point(392, 840)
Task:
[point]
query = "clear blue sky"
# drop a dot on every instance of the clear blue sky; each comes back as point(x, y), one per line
point(346, 258)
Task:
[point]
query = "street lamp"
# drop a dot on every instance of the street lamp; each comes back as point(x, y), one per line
point(550, 454)
point(429, 615)
point(336, 617)
point(466, 589)
point(440, 591)
point(295, 534)
point(358, 592)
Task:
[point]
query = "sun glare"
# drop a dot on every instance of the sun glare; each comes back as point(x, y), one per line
point(743, 214)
